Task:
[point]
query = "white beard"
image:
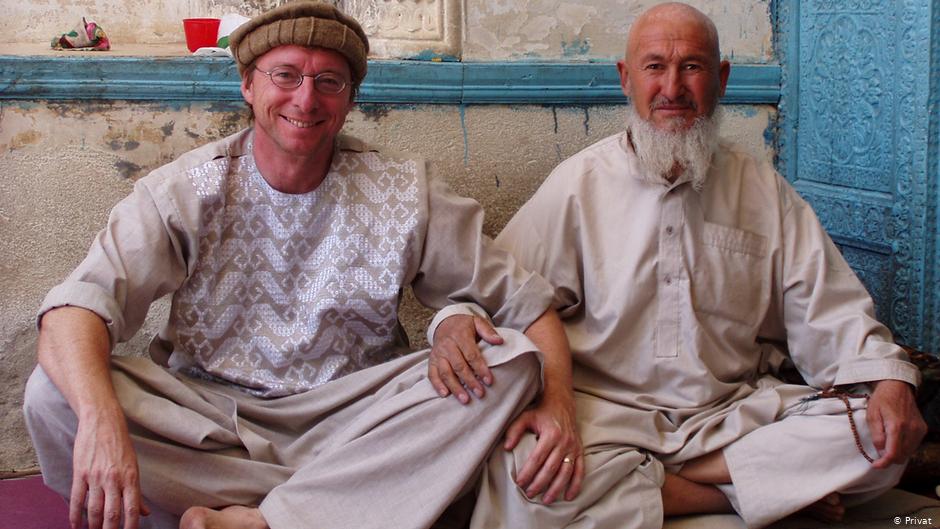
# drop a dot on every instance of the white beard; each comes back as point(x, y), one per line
point(690, 150)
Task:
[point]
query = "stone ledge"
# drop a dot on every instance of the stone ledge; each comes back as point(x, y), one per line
point(178, 76)
point(173, 49)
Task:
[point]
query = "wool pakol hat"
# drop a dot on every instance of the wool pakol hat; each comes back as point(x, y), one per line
point(308, 24)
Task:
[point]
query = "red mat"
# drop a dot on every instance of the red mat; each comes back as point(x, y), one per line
point(27, 504)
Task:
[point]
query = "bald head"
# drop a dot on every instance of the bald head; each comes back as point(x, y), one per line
point(677, 17)
point(672, 71)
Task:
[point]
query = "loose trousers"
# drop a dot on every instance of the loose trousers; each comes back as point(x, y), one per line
point(376, 448)
point(777, 468)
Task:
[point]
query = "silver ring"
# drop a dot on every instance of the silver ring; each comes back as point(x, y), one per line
point(567, 460)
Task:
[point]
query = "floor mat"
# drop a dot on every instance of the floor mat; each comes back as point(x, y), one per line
point(26, 503)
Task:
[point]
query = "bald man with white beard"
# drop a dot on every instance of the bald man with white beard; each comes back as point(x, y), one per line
point(686, 272)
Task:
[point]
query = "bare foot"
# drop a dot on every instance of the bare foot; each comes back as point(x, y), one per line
point(828, 509)
point(234, 517)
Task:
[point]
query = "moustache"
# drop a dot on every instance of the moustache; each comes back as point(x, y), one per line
point(661, 102)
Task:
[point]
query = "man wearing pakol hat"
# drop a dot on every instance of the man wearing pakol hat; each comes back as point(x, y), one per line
point(280, 393)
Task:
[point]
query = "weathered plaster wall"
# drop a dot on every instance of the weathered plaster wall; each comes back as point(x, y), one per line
point(568, 29)
point(66, 164)
point(488, 30)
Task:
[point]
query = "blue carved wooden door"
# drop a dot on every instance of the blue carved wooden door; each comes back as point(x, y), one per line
point(859, 141)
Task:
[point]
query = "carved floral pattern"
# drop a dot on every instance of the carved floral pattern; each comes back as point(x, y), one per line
point(863, 88)
point(851, 218)
point(849, 5)
point(873, 270)
point(910, 200)
point(846, 107)
point(932, 270)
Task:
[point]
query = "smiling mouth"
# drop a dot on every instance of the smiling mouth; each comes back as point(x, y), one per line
point(300, 124)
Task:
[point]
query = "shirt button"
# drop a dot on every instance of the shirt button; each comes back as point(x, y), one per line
point(668, 280)
point(668, 230)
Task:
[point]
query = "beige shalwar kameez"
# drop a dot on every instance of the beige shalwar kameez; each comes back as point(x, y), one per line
point(679, 304)
point(282, 378)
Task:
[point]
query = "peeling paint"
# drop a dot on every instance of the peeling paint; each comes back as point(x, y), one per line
point(555, 118)
point(167, 129)
point(577, 47)
point(29, 137)
point(433, 56)
point(127, 170)
point(770, 135)
point(22, 104)
point(82, 108)
point(120, 138)
point(745, 111)
point(374, 112)
point(587, 122)
point(229, 106)
point(228, 123)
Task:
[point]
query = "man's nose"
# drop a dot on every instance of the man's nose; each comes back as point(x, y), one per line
point(306, 96)
point(672, 87)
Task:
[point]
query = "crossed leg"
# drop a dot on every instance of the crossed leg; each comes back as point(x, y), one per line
point(693, 491)
point(807, 461)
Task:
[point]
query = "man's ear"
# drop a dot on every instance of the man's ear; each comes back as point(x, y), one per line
point(724, 70)
point(624, 77)
point(246, 88)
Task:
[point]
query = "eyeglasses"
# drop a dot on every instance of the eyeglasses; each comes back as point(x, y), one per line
point(290, 78)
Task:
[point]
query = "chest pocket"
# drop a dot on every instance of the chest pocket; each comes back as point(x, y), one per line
point(730, 275)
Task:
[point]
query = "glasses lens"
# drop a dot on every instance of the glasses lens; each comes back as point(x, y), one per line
point(329, 83)
point(286, 77)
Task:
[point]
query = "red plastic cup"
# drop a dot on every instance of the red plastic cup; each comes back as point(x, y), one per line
point(201, 32)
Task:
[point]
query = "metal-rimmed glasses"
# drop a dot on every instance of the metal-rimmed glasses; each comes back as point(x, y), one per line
point(289, 78)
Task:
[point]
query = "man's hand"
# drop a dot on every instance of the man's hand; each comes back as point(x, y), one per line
point(456, 361)
point(74, 350)
point(556, 465)
point(896, 425)
point(104, 474)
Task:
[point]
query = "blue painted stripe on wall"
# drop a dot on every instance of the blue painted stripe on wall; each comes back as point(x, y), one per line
point(405, 82)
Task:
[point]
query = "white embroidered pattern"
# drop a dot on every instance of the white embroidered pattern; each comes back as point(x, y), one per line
point(292, 291)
